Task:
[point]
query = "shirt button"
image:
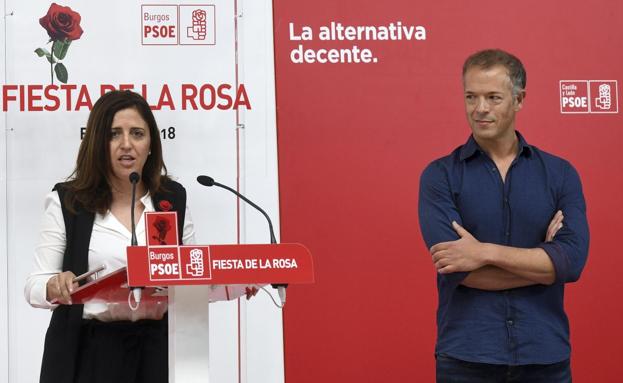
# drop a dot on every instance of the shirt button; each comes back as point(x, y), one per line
point(510, 322)
point(507, 233)
point(494, 170)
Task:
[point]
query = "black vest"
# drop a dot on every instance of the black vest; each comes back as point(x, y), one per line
point(63, 335)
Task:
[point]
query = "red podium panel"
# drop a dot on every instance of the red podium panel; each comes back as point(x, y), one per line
point(219, 265)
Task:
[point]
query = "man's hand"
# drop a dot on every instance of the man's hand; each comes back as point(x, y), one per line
point(60, 287)
point(554, 225)
point(464, 254)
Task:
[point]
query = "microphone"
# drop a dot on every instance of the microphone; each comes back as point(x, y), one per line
point(209, 181)
point(134, 178)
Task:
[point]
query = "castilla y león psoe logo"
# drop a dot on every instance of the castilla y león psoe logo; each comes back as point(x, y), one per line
point(63, 26)
point(589, 96)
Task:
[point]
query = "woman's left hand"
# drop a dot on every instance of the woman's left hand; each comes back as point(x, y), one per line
point(60, 287)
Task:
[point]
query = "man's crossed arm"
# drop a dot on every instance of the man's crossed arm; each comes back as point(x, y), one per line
point(496, 267)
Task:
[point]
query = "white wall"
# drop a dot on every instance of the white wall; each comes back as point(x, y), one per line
point(41, 147)
point(4, 291)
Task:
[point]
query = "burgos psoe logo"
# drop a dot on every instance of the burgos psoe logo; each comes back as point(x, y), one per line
point(589, 96)
point(178, 24)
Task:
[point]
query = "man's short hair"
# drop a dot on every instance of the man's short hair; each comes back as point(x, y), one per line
point(489, 58)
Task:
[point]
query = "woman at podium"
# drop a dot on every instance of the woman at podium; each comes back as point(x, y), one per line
point(87, 223)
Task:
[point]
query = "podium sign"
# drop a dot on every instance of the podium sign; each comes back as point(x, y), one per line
point(219, 264)
point(226, 265)
point(163, 263)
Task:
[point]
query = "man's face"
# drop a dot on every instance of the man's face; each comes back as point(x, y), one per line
point(489, 103)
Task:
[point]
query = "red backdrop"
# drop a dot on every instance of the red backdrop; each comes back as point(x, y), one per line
point(354, 138)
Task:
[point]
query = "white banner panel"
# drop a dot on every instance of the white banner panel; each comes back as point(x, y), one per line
point(206, 68)
point(4, 288)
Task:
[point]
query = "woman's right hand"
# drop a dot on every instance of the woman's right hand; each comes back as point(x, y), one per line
point(60, 287)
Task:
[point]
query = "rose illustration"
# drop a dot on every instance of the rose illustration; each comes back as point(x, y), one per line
point(163, 226)
point(165, 205)
point(199, 15)
point(61, 23)
point(63, 26)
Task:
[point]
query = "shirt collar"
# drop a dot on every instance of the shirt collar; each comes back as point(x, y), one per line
point(471, 147)
point(147, 202)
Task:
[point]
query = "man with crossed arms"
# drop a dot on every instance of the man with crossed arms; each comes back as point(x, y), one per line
point(491, 213)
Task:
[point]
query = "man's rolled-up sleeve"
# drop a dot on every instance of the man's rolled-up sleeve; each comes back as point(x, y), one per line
point(569, 249)
point(437, 210)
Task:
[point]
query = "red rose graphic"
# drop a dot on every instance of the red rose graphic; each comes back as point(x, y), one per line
point(165, 205)
point(63, 27)
point(199, 15)
point(61, 23)
point(163, 226)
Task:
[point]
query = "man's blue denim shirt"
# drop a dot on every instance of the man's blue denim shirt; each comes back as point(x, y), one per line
point(525, 325)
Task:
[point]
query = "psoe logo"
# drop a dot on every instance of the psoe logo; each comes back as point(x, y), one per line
point(195, 262)
point(195, 267)
point(178, 24)
point(604, 96)
point(589, 96)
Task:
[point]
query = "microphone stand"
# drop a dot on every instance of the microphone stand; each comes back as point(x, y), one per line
point(209, 181)
point(136, 291)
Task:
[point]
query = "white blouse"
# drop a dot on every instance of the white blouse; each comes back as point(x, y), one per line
point(109, 240)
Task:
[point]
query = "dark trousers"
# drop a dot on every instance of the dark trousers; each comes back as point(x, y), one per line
point(123, 352)
point(450, 370)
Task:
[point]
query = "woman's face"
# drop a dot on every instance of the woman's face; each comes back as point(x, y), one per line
point(130, 143)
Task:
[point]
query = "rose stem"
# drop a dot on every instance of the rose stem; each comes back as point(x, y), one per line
point(51, 62)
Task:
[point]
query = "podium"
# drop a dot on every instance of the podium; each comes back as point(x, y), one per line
point(196, 276)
